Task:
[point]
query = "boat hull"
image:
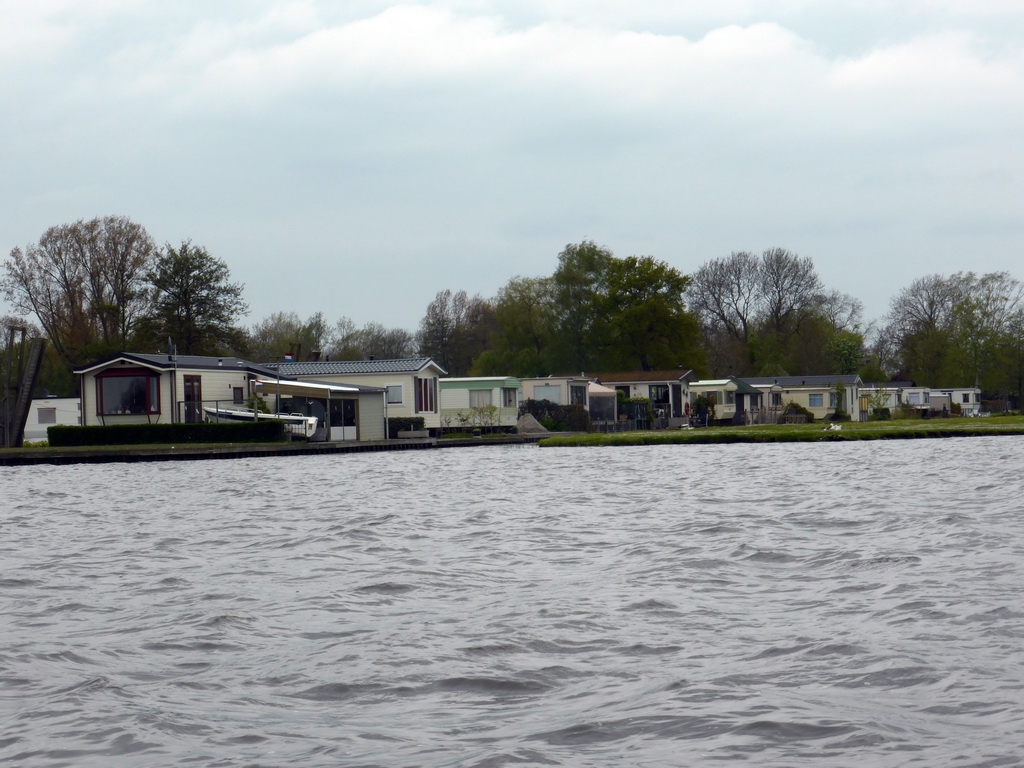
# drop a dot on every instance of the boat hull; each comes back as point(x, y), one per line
point(296, 423)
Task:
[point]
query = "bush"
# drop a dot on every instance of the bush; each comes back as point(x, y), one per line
point(557, 418)
point(398, 424)
point(880, 414)
point(265, 431)
point(793, 409)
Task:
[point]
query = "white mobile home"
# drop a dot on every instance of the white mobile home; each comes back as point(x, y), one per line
point(479, 401)
point(49, 412)
point(410, 384)
point(131, 388)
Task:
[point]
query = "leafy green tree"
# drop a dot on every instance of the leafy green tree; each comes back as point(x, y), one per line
point(579, 285)
point(525, 319)
point(195, 304)
point(646, 316)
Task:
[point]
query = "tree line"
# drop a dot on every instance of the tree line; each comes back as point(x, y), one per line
point(102, 286)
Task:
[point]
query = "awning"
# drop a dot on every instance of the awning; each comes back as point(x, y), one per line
point(304, 388)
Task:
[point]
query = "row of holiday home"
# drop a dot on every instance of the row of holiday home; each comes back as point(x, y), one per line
point(354, 400)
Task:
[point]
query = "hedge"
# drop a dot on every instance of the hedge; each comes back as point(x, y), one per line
point(557, 418)
point(263, 431)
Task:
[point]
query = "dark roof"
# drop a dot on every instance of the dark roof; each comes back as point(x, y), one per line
point(349, 367)
point(803, 381)
point(630, 376)
point(197, 362)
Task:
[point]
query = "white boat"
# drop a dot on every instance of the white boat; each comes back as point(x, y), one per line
point(296, 423)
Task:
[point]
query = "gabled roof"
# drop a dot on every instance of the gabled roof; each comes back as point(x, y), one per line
point(629, 377)
point(171, 362)
point(847, 380)
point(355, 367)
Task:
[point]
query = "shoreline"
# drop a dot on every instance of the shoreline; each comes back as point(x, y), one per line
point(850, 432)
point(799, 433)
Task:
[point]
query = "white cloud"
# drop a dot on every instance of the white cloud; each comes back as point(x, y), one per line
point(423, 129)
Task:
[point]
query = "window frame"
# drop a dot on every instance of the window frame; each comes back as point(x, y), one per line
point(401, 394)
point(152, 391)
point(509, 394)
point(481, 394)
point(816, 396)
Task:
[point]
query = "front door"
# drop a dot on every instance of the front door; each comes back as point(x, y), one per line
point(193, 397)
point(343, 420)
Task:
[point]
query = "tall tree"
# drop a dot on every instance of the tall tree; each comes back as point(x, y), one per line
point(920, 325)
point(86, 284)
point(761, 315)
point(790, 289)
point(579, 284)
point(442, 331)
point(524, 313)
point(195, 304)
point(455, 330)
point(647, 316)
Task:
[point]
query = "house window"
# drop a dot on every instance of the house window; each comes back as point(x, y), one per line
point(776, 400)
point(550, 392)
point(966, 398)
point(729, 397)
point(833, 399)
point(127, 392)
point(47, 416)
point(395, 394)
point(426, 395)
point(659, 394)
point(914, 398)
point(509, 398)
point(577, 395)
point(479, 398)
point(816, 400)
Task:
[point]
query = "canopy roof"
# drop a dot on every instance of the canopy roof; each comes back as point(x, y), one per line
point(310, 389)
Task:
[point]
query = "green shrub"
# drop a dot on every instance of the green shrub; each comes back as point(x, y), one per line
point(263, 431)
point(793, 409)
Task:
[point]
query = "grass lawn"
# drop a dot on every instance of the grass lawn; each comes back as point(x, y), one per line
point(792, 433)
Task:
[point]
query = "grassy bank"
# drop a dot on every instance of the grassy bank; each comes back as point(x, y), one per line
point(803, 433)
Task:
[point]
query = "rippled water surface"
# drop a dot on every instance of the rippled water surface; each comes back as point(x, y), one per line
point(849, 605)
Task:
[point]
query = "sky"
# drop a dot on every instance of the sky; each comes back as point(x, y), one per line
point(355, 158)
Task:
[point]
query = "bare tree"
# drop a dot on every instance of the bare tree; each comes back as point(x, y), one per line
point(790, 288)
point(386, 343)
point(455, 330)
point(727, 293)
point(842, 311)
point(442, 330)
point(86, 282)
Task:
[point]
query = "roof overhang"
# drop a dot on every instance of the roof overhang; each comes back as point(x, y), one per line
point(122, 360)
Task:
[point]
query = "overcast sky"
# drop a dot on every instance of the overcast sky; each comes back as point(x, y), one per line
point(357, 157)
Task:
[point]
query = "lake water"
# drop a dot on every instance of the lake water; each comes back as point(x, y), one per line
point(798, 605)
